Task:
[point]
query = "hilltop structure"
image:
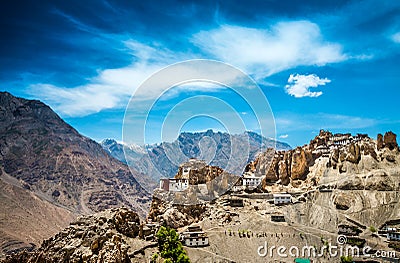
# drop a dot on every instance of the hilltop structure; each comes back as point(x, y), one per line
point(192, 172)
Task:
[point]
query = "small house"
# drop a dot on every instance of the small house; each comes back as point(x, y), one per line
point(393, 236)
point(194, 236)
point(250, 180)
point(282, 199)
point(236, 202)
point(348, 230)
point(175, 185)
point(277, 218)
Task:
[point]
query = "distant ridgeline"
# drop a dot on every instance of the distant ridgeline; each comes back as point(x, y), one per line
point(215, 147)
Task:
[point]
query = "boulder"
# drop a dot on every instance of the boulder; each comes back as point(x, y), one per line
point(353, 183)
point(342, 201)
point(127, 222)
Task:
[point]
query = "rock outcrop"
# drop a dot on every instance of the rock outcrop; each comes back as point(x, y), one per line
point(175, 215)
point(96, 238)
point(198, 172)
point(300, 164)
point(389, 141)
point(379, 142)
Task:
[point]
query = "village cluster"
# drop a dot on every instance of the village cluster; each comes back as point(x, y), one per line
point(194, 236)
point(337, 141)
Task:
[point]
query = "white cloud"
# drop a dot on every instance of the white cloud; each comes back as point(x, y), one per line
point(264, 52)
point(283, 136)
point(299, 85)
point(112, 88)
point(396, 37)
point(260, 52)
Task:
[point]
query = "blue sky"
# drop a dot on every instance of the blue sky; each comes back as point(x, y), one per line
point(320, 64)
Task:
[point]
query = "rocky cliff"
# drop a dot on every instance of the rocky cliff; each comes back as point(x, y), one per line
point(47, 158)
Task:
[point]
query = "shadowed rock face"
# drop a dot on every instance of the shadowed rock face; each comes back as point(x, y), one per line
point(389, 140)
point(379, 141)
point(45, 156)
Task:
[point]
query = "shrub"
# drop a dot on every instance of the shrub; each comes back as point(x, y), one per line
point(345, 259)
point(170, 247)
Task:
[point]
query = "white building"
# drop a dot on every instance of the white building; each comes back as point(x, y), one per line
point(237, 188)
point(280, 199)
point(250, 180)
point(192, 165)
point(194, 237)
point(175, 185)
point(322, 149)
point(178, 184)
point(393, 236)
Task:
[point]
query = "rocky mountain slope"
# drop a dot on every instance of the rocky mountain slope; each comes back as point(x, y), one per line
point(108, 236)
point(217, 148)
point(43, 157)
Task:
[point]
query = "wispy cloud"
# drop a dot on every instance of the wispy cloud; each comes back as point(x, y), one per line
point(283, 136)
point(111, 88)
point(265, 51)
point(302, 122)
point(299, 85)
point(396, 37)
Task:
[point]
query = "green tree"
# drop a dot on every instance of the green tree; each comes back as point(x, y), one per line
point(170, 247)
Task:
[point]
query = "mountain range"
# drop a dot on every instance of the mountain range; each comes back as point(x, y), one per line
point(231, 152)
